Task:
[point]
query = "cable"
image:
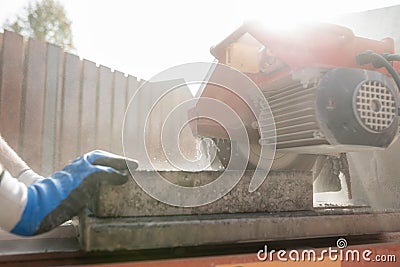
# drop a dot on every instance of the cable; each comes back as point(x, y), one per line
point(392, 57)
point(379, 61)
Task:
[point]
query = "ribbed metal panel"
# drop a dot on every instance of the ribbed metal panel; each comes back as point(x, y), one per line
point(293, 108)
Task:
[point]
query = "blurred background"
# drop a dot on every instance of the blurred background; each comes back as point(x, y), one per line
point(145, 37)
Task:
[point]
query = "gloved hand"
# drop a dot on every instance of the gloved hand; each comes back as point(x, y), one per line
point(49, 202)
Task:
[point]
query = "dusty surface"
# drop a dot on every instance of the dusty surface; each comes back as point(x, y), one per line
point(281, 191)
point(375, 177)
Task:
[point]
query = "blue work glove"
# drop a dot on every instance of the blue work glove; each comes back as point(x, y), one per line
point(56, 199)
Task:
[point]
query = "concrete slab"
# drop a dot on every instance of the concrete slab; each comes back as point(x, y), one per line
point(281, 191)
point(110, 234)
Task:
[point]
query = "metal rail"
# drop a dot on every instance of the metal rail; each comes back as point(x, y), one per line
point(212, 255)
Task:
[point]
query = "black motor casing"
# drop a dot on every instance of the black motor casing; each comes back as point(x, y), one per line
point(339, 110)
point(357, 107)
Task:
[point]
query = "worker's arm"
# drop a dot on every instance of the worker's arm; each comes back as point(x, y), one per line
point(48, 202)
point(15, 165)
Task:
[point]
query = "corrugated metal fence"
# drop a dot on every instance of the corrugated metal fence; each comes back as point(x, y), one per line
point(55, 106)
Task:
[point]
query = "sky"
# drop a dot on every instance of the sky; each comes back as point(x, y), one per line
point(142, 38)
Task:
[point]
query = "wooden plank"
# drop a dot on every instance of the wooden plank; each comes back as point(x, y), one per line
point(133, 85)
point(60, 93)
point(1, 69)
point(12, 65)
point(34, 103)
point(1, 64)
point(119, 103)
point(132, 123)
point(104, 109)
point(1, 46)
point(69, 130)
point(89, 106)
point(54, 59)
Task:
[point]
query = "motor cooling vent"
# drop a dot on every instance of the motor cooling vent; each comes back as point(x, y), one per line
point(375, 106)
